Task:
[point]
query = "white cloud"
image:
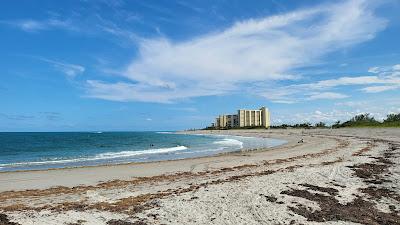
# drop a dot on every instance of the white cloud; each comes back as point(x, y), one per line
point(326, 116)
point(187, 109)
point(342, 111)
point(381, 88)
point(283, 101)
point(389, 77)
point(122, 91)
point(71, 70)
point(248, 52)
point(360, 80)
point(327, 95)
point(374, 69)
point(386, 71)
point(352, 103)
point(31, 25)
point(387, 80)
point(311, 91)
point(396, 67)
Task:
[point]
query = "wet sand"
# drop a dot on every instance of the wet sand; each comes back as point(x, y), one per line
point(340, 176)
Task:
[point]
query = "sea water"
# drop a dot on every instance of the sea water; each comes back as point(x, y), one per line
point(42, 150)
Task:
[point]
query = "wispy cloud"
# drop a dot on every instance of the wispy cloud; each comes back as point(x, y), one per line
point(251, 51)
point(105, 25)
point(329, 116)
point(187, 109)
point(17, 117)
point(31, 25)
point(389, 77)
point(383, 80)
point(52, 116)
point(122, 91)
point(396, 67)
point(70, 70)
point(190, 6)
point(380, 88)
point(327, 95)
point(342, 110)
point(352, 103)
point(374, 69)
point(89, 22)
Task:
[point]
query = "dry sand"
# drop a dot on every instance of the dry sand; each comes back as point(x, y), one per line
point(342, 176)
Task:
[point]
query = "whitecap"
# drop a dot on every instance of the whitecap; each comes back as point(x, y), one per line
point(229, 142)
point(102, 156)
point(111, 155)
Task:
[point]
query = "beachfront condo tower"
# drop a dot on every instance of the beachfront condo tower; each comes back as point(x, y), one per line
point(244, 118)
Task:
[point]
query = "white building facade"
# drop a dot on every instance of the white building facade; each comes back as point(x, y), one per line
point(244, 118)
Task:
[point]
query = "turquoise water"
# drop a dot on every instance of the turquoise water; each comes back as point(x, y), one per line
point(31, 151)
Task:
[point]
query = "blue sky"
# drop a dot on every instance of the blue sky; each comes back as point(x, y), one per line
point(168, 65)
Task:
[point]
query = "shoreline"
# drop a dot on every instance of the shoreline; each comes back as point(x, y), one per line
point(159, 161)
point(334, 176)
point(76, 176)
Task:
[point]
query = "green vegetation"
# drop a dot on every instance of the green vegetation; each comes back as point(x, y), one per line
point(362, 120)
point(392, 120)
point(366, 120)
point(320, 125)
point(298, 125)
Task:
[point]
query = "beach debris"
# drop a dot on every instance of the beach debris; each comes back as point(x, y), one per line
point(357, 211)
point(360, 210)
point(78, 222)
point(269, 198)
point(331, 191)
point(5, 221)
point(123, 222)
point(373, 172)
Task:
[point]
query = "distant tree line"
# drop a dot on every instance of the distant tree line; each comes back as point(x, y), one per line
point(366, 120)
point(362, 120)
point(297, 125)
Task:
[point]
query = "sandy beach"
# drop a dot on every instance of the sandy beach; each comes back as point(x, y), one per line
point(339, 176)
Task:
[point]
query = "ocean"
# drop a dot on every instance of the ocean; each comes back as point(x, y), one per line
point(45, 150)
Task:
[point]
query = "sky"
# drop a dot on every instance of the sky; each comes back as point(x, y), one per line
point(118, 65)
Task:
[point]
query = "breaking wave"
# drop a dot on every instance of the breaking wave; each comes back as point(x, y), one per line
point(101, 156)
point(123, 154)
point(229, 142)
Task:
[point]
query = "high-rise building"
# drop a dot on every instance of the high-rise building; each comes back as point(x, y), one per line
point(245, 118)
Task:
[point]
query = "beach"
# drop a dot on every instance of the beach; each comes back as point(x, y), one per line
point(320, 176)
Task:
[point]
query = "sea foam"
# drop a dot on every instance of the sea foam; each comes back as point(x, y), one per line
point(123, 154)
point(229, 142)
point(102, 156)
